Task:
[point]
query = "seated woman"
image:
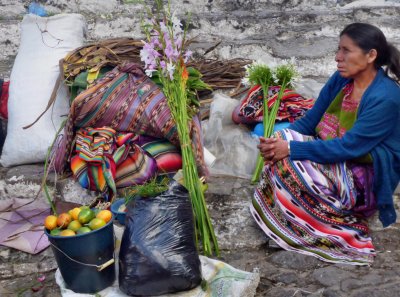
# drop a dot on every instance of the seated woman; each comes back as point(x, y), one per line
point(331, 169)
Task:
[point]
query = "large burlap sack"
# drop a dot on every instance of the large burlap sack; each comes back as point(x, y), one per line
point(44, 42)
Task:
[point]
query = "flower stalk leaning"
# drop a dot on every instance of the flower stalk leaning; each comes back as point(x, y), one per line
point(164, 55)
point(260, 74)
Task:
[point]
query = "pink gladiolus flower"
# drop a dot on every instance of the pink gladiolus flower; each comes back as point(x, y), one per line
point(187, 55)
point(171, 70)
point(169, 51)
point(176, 24)
point(156, 43)
point(163, 28)
point(178, 42)
point(149, 72)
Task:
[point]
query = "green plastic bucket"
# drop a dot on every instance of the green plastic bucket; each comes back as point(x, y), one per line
point(86, 261)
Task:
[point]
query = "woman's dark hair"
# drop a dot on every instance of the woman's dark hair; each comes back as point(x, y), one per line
point(369, 37)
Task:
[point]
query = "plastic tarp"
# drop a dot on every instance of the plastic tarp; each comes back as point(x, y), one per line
point(233, 145)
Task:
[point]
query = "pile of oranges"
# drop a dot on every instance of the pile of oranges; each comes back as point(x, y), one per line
point(78, 220)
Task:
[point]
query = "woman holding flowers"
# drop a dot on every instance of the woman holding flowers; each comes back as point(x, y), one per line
point(329, 171)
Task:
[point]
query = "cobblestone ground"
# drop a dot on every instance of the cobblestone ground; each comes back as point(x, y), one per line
point(244, 246)
point(259, 30)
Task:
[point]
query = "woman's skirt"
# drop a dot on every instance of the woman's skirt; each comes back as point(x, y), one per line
point(308, 208)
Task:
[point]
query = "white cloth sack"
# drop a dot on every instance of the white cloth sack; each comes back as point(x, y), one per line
point(232, 145)
point(223, 280)
point(44, 41)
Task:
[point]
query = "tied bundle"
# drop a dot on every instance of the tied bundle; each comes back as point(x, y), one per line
point(165, 59)
point(260, 74)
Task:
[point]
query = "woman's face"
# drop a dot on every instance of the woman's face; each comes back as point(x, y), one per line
point(351, 60)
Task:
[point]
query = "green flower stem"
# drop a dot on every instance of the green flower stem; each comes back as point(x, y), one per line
point(269, 123)
point(175, 91)
point(266, 117)
point(266, 120)
point(46, 166)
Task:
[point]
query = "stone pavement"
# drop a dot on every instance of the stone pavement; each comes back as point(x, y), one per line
point(243, 245)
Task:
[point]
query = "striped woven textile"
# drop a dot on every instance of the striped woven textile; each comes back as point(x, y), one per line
point(105, 160)
point(167, 156)
point(137, 168)
point(125, 99)
point(292, 106)
point(93, 165)
point(308, 207)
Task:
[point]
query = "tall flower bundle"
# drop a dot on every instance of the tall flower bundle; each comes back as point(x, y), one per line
point(260, 74)
point(165, 57)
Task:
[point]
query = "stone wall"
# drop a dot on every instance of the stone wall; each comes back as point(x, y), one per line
point(255, 29)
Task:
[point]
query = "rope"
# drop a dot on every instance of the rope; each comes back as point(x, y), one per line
point(98, 267)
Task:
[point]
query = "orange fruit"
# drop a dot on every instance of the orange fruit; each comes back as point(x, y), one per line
point(74, 225)
point(50, 222)
point(75, 212)
point(63, 220)
point(67, 232)
point(85, 216)
point(96, 223)
point(105, 215)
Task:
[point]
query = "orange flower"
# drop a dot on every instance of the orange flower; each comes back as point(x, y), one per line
point(185, 73)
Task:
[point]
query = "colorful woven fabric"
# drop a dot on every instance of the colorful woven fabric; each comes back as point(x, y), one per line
point(336, 121)
point(136, 169)
point(168, 156)
point(125, 99)
point(339, 118)
point(308, 207)
point(292, 105)
point(93, 144)
point(104, 161)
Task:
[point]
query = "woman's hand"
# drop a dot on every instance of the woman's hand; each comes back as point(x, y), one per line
point(273, 149)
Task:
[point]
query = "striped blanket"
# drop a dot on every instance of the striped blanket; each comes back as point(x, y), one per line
point(292, 106)
point(125, 99)
point(105, 160)
point(310, 208)
point(167, 156)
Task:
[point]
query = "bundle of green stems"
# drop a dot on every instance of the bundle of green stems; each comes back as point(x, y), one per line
point(269, 118)
point(178, 102)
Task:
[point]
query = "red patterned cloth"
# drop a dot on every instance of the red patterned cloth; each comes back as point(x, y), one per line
point(292, 106)
point(4, 99)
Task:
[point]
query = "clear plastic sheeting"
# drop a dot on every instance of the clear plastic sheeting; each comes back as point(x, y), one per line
point(232, 145)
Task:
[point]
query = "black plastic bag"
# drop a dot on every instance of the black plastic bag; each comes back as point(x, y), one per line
point(158, 253)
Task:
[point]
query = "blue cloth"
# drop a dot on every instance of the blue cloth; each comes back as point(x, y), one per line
point(36, 8)
point(259, 128)
point(376, 131)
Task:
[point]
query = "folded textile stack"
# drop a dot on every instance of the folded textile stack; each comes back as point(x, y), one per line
point(292, 106)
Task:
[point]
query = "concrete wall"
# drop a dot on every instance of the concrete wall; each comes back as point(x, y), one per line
point(255, 29)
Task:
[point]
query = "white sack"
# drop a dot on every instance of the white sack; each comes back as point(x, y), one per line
point(223, 279)
point(232, 145)
point(44, 41)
